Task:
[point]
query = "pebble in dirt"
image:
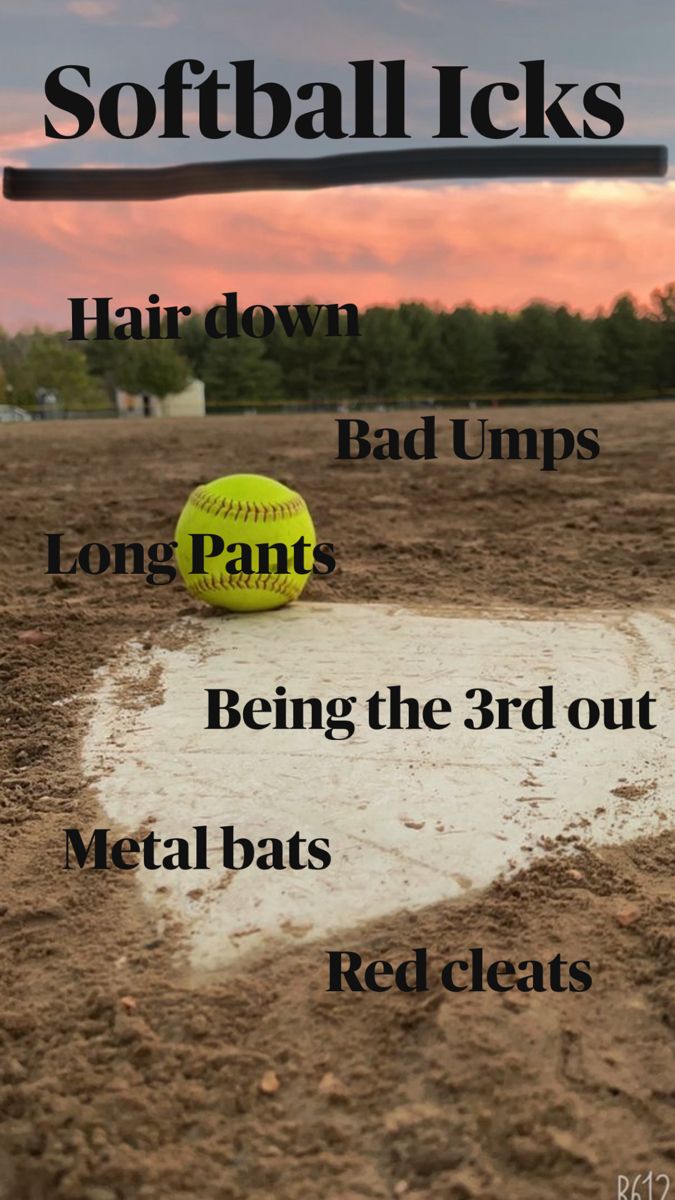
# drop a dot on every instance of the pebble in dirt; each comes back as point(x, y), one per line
point(412, 816)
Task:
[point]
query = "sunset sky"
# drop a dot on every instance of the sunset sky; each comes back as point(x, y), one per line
point(495, 243)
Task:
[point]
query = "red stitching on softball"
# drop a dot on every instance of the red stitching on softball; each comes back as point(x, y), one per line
point(265, 583)
point(244, 509)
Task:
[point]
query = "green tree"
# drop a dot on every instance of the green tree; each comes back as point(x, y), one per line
point(532, 359)
point(420, 329)
point(314, 367)
point(386, 354)
point(663, 322)
point(578, 359)
point(239, 370)
point(194, 343)
point(149, 366)
point(469, 350)
point(628, 348)
point(41, 360)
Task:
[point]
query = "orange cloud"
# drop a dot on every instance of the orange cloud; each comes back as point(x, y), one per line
point(496, 244)
point(92, 10)
point(26, 139)
point(155, 15)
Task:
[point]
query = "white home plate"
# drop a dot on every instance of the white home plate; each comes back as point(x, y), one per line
point(412, 817)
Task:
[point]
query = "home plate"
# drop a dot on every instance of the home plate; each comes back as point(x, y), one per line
point(411, 816)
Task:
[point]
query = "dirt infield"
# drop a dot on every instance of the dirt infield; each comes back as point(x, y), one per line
point(123, 1077)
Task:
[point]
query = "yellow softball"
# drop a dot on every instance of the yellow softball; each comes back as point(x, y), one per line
point(243, 513)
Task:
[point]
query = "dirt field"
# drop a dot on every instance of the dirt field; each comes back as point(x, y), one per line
point(122, 1078)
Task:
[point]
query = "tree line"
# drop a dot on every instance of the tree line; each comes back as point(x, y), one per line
point(408, 351)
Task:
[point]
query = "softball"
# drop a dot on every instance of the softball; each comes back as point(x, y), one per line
point(246, 512)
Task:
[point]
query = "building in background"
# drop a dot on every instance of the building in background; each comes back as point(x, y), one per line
point(191, 402)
